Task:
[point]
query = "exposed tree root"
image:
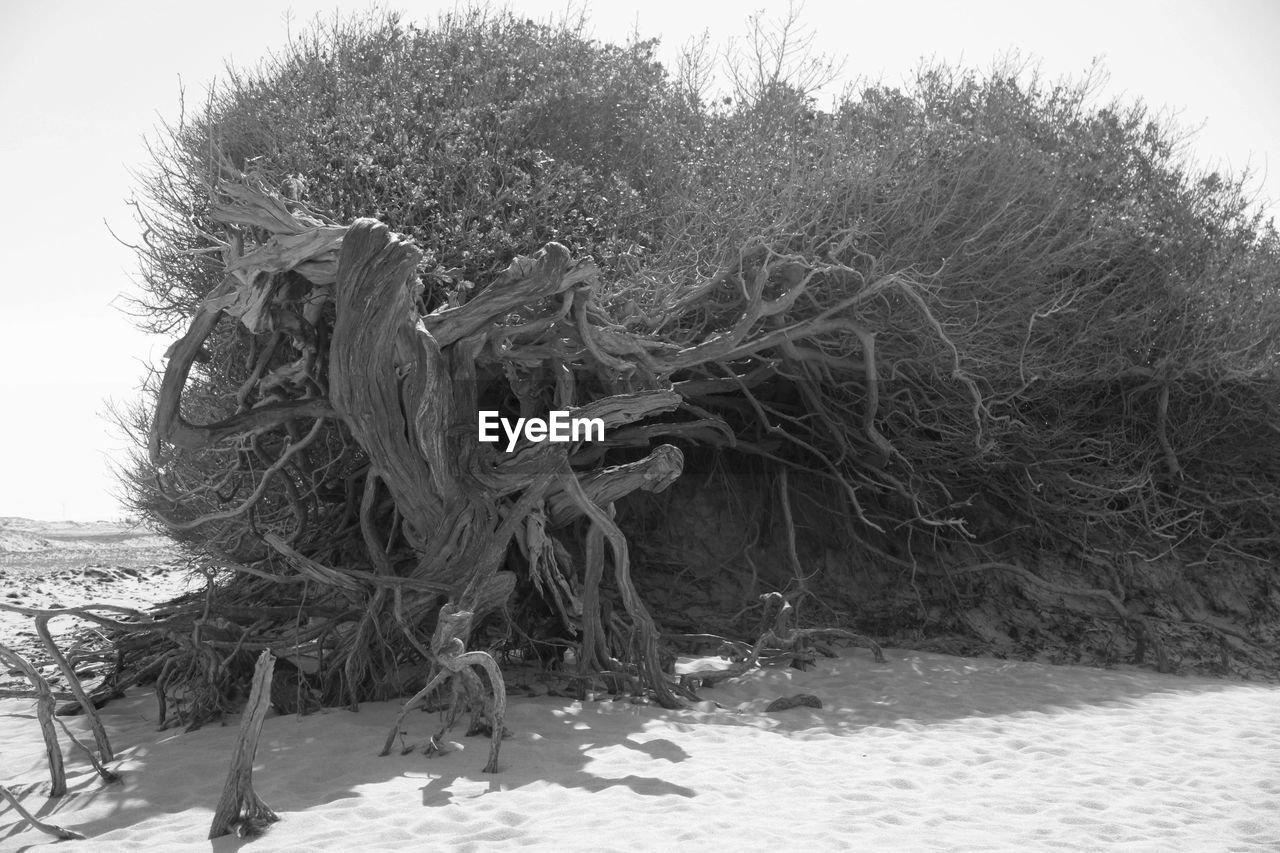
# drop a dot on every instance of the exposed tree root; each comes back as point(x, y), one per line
point(449, 648)
point(1138, 622)
point(44, 713)
point(349, 487)
point(91, 613)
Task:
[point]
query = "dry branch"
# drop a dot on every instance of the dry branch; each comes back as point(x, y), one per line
point(108, 776)
point(448, 646)
point(47, 828)
point(41, 617)
point(44, 713)
point(240, 809)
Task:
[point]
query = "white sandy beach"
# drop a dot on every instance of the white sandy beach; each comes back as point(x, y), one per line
point(926, 752)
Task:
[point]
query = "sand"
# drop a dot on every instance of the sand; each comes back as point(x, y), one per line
point(924, 752)
point(65, 564)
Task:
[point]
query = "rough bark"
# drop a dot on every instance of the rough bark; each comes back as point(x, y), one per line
point(448, 647)
point(44, 713)
point(48, 828)
point(240, 808)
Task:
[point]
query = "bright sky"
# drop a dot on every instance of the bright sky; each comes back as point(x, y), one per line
point(82, 83)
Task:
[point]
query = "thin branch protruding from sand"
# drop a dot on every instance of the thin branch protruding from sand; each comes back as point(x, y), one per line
point(108, 776)
point(44, 712)
point(47, 828)
point(240, 806)
point(42, 618)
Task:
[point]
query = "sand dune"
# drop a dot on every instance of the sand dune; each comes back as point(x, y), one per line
point(49, 564)
point(17, 542)
point(126, 586)
point(25, 534)
point(926, 752)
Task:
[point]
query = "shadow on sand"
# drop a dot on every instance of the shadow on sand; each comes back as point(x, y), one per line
point(330, 756)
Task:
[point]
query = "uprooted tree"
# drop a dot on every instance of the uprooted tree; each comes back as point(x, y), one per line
point(993, 342)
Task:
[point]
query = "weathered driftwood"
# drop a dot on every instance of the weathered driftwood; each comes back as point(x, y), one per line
point(44, 713)
point(240, 808)
point(73, 683)
point(449, 647)
point(48, 828)
point(108, 776)
point(404, 386)
point(90, 613)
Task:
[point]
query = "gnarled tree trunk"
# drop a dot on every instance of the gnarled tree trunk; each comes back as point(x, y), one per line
point(405, 387)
